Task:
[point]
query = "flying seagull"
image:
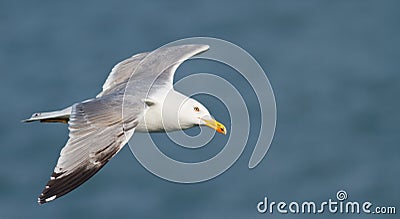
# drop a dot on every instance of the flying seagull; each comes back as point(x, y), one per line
point(138, 95)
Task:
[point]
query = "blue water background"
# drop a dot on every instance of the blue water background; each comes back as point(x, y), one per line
point(334, 67)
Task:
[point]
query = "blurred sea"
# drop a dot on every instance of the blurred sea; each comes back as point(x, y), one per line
point(333, 65)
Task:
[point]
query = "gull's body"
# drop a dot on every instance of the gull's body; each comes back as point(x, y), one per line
point(137, 96)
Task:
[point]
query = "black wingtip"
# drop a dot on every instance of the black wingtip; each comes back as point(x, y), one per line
point(42, 200)
point(60, 184)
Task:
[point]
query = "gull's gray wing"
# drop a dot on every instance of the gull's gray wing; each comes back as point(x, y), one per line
point(159, 64)
point(97, 133)
point(155, 72)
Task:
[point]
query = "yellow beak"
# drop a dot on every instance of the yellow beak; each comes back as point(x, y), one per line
point(212, 123)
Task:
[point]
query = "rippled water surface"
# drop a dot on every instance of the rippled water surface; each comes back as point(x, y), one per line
point(334, 67)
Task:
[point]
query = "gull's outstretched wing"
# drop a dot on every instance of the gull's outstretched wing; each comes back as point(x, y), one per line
point(154, 74)
point(96, 134)
point(159, 64)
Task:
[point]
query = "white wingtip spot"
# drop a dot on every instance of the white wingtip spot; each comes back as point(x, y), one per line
point(51, 198)
point(47, 187)
point(52, 178)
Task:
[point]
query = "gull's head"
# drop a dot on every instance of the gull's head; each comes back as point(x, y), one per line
point(192, 113)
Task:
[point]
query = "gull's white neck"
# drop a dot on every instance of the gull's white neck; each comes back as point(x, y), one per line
point(163, 114)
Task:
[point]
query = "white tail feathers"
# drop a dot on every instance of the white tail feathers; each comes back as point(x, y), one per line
point(54, 116)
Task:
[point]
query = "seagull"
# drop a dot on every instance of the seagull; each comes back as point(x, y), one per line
point(138, 95)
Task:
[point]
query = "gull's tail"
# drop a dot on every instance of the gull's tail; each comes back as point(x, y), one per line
point(54, 116)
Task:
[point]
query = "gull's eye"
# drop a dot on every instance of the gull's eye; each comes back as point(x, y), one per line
point(197, 109)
